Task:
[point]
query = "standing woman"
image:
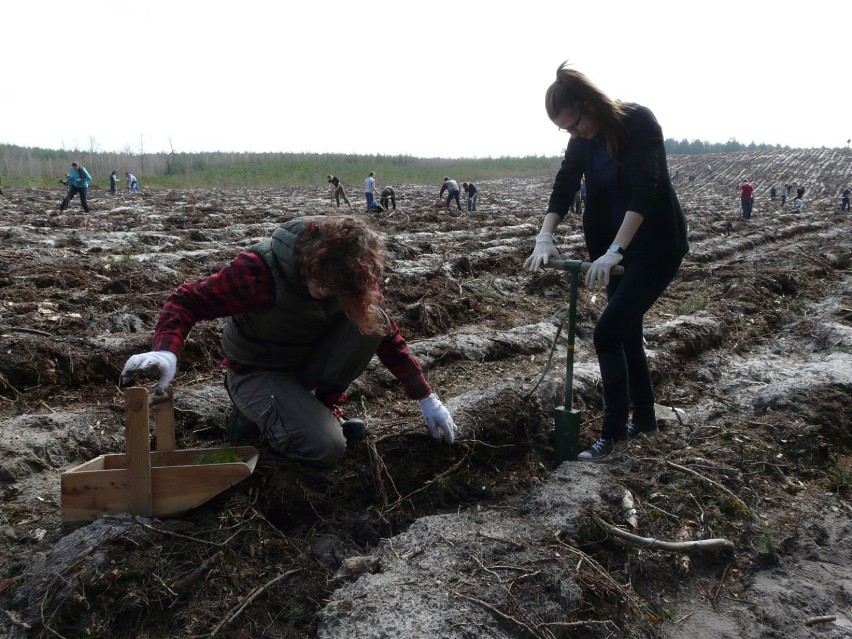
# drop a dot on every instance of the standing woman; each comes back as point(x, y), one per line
point(78, 182)
point(632, 217)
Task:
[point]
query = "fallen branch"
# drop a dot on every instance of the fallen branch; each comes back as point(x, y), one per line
point(712, 482)
point(188, 581)
point(812, 621)
point(236, 612)
point(700, 545)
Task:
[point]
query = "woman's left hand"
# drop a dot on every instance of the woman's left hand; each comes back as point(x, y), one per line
point(598, 274)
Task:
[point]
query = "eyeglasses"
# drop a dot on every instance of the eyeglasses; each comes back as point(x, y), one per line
point(574, 127)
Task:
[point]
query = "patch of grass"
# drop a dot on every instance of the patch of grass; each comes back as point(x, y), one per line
point(696, 301)
point(769, 542)
point(841, 478)
point(218, 456)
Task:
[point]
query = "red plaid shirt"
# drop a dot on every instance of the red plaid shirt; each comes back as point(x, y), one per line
point(246, 285)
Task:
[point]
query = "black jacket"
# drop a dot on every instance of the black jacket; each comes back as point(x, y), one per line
point(643, 183)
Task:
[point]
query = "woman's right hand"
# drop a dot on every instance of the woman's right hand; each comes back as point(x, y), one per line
point(542, 253)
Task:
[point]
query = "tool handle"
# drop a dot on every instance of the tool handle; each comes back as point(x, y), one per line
point(568, 265)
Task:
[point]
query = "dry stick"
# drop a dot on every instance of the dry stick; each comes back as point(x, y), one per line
point(712, 482)
point(500, 613)
point(449, 471)
point(34, 331)
point(234, 613)
point(719, 587)
point(812, 621)
point(549, 359)
point(187, 581)
point(700, 545)
point(377, 472)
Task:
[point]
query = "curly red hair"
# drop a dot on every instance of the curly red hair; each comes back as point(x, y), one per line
point(342, 254)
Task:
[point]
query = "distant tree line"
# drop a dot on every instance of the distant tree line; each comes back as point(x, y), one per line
point(27, 166)
point(32, 166)
point(700, 147)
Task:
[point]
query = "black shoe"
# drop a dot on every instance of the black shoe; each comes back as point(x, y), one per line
point(598, 451)
point(633, 431)
point(240, 427)
point(354, 430)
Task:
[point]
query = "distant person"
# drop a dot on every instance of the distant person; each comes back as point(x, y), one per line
point(709, 169)
point(370, 192)
point(1, 188)
point(692, 177)
point(303, 317)
point(799, 203)
point(337, 190)
point(132, 183)
point(772, 193)
point(472, 195)
point(785, 191)
point(113, 182)
point(452, 189)
point(844, 199)
point(388, 198)
point(77, 180)
point(800, 193)
point(633, 215)
point(580, 198)
point(746, 198)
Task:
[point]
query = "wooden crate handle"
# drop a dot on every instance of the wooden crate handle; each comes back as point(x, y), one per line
point(164, 418)
point(138, 451)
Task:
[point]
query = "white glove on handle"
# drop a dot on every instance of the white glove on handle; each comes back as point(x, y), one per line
point(163, 362)
point(438, 418)
point(598, 274)
point(543, 251)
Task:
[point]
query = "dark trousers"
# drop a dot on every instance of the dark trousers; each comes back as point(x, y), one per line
point(747, 203)
point(453, 195)
point(72, 191)
point(287, 406)
point(619, 343)
point(389, 199)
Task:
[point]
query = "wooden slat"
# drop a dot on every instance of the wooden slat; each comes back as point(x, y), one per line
point(87, 495)
point(138, 451)
point(164, 417)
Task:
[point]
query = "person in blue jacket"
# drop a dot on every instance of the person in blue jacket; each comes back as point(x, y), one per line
point(77, 180)
point(633, 217)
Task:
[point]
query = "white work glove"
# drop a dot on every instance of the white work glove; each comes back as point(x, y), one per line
point(598, 274)
point(438, 418)
point(543, 251)
point(163, 362)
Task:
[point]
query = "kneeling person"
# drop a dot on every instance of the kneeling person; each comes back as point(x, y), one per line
point(304, 319)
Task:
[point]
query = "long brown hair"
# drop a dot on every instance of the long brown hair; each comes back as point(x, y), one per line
point(573, 90)
point(340, 253)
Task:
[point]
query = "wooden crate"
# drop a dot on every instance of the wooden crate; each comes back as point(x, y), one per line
point(150, 483)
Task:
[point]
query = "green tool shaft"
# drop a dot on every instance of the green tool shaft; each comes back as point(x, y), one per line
point(573, 267)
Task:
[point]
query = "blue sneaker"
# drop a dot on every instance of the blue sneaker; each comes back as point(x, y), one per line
point(633, 431)
point(598, 451)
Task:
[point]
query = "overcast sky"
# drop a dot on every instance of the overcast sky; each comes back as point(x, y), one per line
point(426, 79)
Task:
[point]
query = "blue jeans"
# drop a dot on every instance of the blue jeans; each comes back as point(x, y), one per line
point(72, 191)
point(471, 201)
point(370, 199)
point(453, 195)
point(619, 344)
point(747, 204)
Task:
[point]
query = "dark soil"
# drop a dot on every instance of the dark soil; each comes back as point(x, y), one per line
point(753, 342)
